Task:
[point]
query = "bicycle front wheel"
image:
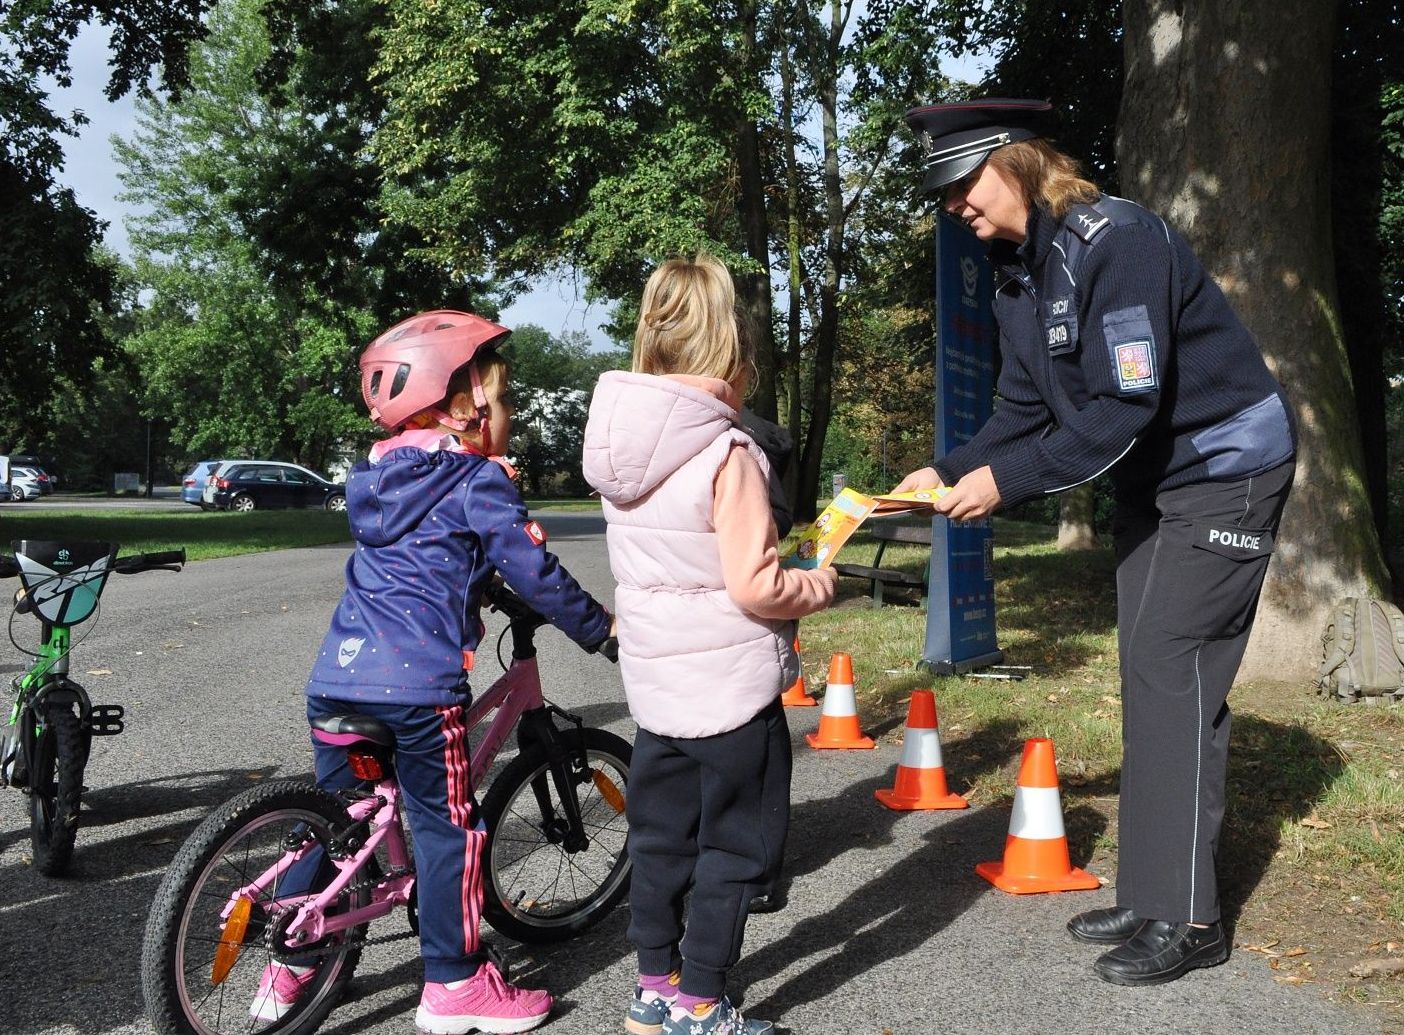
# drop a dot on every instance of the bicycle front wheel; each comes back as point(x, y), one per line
point(537, 886)
point(56, 789)
point(207, 946)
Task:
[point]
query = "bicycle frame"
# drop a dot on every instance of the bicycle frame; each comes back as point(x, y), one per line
point(515, 694)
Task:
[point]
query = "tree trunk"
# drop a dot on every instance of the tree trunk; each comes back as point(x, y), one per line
point(754, 286)
point(826, 333)
point(1224, 130)
point(1076, 508)
point(795, 414)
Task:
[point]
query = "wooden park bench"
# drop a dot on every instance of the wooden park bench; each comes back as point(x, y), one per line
point(886, 532)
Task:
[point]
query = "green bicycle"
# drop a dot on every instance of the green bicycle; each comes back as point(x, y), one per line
point(44, 744)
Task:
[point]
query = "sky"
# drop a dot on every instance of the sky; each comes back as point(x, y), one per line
point(558, 305)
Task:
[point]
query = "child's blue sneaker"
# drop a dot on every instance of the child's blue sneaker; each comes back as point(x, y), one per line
point(720, 1018)
point(648, 1011)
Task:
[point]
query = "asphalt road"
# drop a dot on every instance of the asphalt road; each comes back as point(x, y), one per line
point(888, 929)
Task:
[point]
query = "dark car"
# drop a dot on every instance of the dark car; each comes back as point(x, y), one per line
point(192, 486)
point(258, 484)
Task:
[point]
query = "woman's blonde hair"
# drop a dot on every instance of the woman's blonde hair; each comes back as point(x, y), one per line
point(1047, 177)
point(688, 323)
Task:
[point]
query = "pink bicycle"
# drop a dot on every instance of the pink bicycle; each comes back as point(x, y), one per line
point(554, 860)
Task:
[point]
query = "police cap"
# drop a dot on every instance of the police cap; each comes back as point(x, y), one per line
point(958, 137)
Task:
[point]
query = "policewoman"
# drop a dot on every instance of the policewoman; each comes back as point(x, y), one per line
point(1121, 355)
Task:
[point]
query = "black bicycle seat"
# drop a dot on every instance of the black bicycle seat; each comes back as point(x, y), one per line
point(353, 727)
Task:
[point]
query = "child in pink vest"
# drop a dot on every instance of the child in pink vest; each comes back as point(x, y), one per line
point(706, 622)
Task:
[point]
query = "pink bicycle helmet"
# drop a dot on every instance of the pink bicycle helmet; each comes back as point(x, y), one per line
point(407, 369)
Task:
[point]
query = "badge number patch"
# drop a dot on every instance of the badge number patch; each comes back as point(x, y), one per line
point(1135, 366)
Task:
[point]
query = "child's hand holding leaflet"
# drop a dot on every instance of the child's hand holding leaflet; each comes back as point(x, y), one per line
point(818, 544)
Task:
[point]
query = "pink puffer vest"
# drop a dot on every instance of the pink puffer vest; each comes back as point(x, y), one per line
point(693, 663)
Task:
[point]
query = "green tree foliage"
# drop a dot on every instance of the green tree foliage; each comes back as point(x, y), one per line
point(610, 134)
point(56, 290)
point(262, 250)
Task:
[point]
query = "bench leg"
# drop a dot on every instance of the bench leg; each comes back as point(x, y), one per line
point(877, 593)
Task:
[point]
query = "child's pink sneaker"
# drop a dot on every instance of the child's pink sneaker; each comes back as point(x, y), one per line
point(485, 1002)
point(279, 990)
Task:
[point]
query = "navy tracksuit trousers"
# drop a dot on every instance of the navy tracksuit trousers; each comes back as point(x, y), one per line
point(710, 815)
point(431, 767)
point(1190, 566)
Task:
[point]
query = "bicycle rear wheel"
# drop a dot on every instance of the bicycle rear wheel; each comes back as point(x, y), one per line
point(56, 789)
point(199, 974)
point(534, 888)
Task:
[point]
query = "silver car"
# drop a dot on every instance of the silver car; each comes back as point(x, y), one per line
point(27, 483)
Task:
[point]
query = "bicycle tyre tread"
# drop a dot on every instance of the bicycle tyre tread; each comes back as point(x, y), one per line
point(499, 794)
point(159, 989)
point(53, 849)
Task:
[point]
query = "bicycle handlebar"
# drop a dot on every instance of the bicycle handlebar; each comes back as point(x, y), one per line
point(500, 597)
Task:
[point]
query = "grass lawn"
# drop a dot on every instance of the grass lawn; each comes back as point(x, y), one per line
point(204, 534)
point(1312, 853)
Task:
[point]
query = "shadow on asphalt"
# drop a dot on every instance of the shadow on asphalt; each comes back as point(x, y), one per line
point(79, 938)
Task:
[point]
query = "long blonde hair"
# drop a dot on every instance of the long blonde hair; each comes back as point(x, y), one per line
point(688, 323)
point(1047, 177)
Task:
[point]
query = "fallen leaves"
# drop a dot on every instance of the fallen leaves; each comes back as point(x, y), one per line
point(1315, 822)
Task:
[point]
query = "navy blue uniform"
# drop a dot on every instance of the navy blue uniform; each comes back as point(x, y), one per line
point(431, 528)
point(1121, 354)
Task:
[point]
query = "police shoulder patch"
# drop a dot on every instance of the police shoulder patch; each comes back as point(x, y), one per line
point(1087, 222)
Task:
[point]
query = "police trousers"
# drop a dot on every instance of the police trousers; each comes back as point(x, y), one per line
point(1190, 566)
point(707, 815)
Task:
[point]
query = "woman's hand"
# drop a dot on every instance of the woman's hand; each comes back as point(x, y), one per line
point(973, 497)
point(926, 478)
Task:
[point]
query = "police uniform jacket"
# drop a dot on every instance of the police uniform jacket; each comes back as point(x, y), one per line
point(1119, 353)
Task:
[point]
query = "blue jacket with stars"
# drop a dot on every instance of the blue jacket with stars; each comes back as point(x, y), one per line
point(431, 528)
point(1119, 353)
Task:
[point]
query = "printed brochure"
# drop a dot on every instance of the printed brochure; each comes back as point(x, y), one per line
point(818, 545)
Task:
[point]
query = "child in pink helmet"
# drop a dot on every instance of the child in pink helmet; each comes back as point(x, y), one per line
point(435, 516)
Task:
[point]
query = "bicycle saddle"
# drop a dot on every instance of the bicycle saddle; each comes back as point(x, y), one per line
point(347, 729)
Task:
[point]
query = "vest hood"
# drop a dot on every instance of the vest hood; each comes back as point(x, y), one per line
point(643, 427)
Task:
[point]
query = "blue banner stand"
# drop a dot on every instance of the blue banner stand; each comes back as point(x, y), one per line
point(960, 618)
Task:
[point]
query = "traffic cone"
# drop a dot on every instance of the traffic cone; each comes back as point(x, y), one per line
point(921, 777)
point(797, 696)
point(1036, 850)
point(838, 722)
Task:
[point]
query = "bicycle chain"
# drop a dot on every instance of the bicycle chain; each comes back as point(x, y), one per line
point(353, 937)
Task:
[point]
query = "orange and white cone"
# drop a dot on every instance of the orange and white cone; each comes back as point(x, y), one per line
point(838, 721)
point(797, 696)
point(1036, 850)
point(921, 775)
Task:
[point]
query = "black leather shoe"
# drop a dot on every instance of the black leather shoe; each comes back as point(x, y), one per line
point(1105, 926)
point(1162, 951)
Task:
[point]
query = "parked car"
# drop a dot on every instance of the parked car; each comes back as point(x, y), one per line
point(50, 482)
point(192, 485)
point(28, 483)
point(257, 484)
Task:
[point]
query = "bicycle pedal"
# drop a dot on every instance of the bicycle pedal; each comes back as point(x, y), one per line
point(106, 720)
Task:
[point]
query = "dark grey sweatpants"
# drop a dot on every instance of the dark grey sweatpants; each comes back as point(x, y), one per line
point(708, 814)
point(1190, 567)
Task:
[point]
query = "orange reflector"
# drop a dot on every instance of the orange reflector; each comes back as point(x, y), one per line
point(231, 941)
point(609, 791)
point(363, 766)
